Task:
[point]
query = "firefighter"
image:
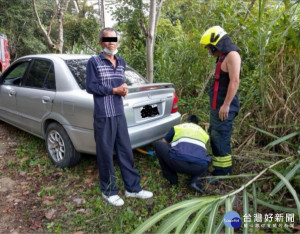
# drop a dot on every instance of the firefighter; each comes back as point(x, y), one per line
point(224, 102)
point(183, 150)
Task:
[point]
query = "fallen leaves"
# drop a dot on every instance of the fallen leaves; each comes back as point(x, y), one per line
point(50, 214)
point(47, 202)
point(79, 232)
point(36, 224)
point(79, 201)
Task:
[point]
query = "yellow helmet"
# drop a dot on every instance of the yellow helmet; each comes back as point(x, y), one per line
point(212, 35)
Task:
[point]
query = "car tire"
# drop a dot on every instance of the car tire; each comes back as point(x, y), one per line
point(59, 146)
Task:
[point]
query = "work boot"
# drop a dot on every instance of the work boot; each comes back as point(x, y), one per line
point(198, 187)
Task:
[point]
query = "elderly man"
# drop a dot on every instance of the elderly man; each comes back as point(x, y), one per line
point(105, 80)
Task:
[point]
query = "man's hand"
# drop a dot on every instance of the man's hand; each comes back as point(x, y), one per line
point(122, 90)
point(223, 113)
point(126, 88)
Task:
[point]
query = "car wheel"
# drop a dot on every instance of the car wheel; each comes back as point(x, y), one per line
point(60, 147)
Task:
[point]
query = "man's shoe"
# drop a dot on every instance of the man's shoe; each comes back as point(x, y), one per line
point(143, 194)
point(115, 200)
point(196, 187)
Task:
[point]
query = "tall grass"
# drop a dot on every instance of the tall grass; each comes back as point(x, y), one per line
point(267, 33)
point(278, 71)
point(269, 116)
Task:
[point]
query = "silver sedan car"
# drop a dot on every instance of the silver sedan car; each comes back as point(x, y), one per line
point(46, 96)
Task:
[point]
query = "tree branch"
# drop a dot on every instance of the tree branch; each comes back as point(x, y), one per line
point(158, 13)
point(50, 26)
point(76, 6)
point(88, 44)
point(143, 27)
point(157, 18)
point(249, 9)
point(51, 44)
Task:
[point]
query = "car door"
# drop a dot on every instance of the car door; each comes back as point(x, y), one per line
point(34, 100)
point(9, 86)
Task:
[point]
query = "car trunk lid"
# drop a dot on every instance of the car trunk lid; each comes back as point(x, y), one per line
point(148, 102)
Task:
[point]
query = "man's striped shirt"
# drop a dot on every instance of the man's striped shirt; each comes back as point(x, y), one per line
point(101, 78)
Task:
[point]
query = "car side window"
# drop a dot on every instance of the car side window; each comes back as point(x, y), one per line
point(49, 82)
point(15, 76)
point(41, 75)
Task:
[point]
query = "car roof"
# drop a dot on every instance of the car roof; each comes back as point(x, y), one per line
point(62, 56)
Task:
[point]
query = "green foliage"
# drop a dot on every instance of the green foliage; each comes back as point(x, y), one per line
point(267, 33)
point(80, 29)
point(259, 29)
point(16, 21)
point(129, 14)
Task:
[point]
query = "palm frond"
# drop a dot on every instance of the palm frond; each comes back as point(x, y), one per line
point(200, 207)
point(288, 176)
point(290, 188)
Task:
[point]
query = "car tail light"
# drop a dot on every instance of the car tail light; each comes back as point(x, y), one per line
point(175, 104)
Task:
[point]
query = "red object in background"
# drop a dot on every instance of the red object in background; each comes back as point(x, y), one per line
point(4, 53)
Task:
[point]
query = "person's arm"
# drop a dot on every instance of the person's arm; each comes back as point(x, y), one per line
point(95, 87)
point(233, 64)
point(169, 136)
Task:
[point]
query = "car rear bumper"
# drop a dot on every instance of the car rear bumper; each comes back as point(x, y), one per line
point(146, 133)
point(83, 139)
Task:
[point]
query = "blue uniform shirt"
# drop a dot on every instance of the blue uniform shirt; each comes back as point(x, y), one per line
point(101, 78)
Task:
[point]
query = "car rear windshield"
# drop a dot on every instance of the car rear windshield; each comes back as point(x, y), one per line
point(78, 69)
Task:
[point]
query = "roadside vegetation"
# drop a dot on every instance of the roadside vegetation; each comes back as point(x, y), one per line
point(266, 135)
point(69, 200)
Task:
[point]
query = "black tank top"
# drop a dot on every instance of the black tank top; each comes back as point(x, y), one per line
point(222, 91)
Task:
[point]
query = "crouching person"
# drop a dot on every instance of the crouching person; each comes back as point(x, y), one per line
point(183, 150)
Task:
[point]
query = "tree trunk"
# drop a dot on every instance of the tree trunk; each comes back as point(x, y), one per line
point(46, 34)
point(150, 40)
point(60, 16)
point(101, 13)
point(150, 36)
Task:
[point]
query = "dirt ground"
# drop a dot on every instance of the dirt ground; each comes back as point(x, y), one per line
point(15, 197)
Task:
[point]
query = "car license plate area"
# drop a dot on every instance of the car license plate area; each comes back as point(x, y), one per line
point(149, 111)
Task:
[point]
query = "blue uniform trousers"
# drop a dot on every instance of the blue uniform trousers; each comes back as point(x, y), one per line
point(111, 134)
point(170, 166)
point(220, 137)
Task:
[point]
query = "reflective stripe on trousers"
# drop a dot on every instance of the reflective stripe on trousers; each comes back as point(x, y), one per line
point(222, 161)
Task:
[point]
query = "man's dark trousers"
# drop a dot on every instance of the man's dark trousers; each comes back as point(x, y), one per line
point(111, 133)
